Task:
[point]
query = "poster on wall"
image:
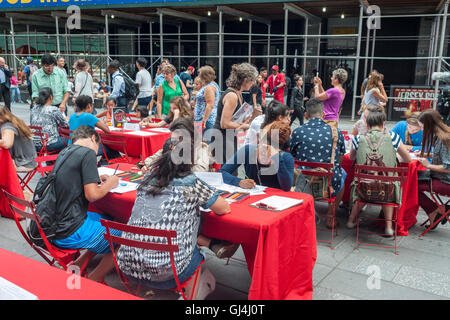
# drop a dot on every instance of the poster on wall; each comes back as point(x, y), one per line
point(408, 100)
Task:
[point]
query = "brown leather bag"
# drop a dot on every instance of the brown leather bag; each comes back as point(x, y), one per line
point(371, 190)
point(319, 185)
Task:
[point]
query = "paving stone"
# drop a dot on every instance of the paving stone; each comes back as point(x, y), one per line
point(359, 263)
point(429, 281)
point(319, 272)
point(329, 294)
point(355, 285)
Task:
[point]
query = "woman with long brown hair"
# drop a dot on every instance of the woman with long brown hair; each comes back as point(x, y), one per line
point(16, 136)
point(375, 93)
point(435, 135)
point(179, 108)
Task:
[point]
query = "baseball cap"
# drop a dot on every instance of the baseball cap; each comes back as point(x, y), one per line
point(274, 67)
point(191, 68)
point(30, 59)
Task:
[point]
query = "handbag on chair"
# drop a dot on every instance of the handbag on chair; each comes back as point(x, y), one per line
point(319, 185)
point(371, 190)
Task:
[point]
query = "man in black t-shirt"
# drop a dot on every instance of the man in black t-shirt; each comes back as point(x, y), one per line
point(77, 183)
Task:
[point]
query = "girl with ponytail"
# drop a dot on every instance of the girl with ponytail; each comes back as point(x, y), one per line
point(49, 118)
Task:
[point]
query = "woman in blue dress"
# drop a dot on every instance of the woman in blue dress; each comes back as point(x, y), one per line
point(207, 98)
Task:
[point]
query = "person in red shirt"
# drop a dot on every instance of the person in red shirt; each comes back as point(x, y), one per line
point(263, 74)
point(276, 84)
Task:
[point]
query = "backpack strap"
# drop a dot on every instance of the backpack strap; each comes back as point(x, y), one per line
point(378, 144)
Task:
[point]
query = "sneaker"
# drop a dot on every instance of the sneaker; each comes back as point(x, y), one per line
point(225, 249)
point(388, 233)
point(351, 225)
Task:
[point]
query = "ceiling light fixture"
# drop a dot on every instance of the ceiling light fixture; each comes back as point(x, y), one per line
point(324, 9)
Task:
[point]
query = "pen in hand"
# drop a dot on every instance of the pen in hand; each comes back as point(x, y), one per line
point(116, 170)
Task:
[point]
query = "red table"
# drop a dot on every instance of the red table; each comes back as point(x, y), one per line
point(50, 283)
point(410, 197)
point(142, 145)
point(10, 181)
point(279, 247)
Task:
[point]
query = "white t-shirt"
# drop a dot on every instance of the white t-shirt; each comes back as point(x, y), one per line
point(255, 128)
point(95, 87)
point(83, 85)
point(144, 79)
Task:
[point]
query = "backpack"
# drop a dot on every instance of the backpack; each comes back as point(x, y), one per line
point(45, 200)
point(371, 190)
point(33, 68)
point(131, 88)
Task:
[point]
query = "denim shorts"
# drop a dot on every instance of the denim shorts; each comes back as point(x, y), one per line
point(197, 258)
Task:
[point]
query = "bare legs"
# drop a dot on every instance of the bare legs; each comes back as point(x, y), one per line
point(357, 206)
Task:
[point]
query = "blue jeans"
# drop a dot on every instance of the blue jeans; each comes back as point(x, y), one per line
point(13, 94)
point(197, 258)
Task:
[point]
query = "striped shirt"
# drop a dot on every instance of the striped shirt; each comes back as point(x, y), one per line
point(394, 137)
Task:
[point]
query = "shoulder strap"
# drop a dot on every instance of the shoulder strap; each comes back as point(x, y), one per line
point(334, 134)
point(69, 153)
point(378, 144)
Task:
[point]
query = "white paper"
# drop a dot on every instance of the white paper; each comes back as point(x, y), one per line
point(413, 155)
point(279, 203)
point(130, 186)
point(213, 179)
point(160, 129)
point(243, 113)
point(131, 126)
point(258, 190)
point(107, 171)
point(141, 133)
point(115, 129)
point(10, 291)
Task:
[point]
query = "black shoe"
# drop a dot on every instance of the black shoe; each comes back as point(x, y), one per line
point(438, 216)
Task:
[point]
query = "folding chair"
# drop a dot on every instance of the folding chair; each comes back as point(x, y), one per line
point(119, 143)
point(37, 131)
point(65, 133)
point(399, 174)
point(43, 170)
point(436, 197)
point(325, 170)
point(169, 248)
point(50, 253)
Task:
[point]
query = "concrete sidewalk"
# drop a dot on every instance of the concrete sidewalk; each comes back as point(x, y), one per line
point(420, 270)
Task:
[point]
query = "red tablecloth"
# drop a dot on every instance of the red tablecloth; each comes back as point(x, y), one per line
point(142, 145)
point(10, 181)
point(50, 283)
point(279, 247)
point(410, 197)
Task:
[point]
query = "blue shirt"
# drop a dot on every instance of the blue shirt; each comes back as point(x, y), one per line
point(312, 142)
point(84, 119)
point(200, 105)
point(2, 76)
point(280, 175)
point(118, 84)
point(416, 138)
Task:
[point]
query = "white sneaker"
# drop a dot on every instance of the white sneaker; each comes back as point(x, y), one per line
point(207, 285)
point(388, 232)
point(351, 225)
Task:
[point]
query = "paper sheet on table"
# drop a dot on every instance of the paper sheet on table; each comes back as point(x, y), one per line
point(413, 155)
point(10, 291)
point(160, 130)
point(141, 133)
point(130, 186)
point(114, 128)
point(107, 171)
point(258, 190)
point(213, 179)
point(279, 203)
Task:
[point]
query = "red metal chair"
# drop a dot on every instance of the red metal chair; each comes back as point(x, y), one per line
point(37, 131)
point(25, 180)
point(117, 143)
point(43, 170)
point(326, 171)
point(169, 247)
point(64, 133)
point(436, 197)
point(399, 174)
point(50, 253)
